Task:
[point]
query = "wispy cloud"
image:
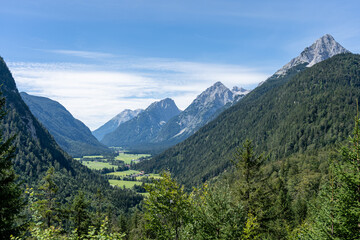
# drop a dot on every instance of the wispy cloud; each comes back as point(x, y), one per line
point(83, 54)
point(94, 94)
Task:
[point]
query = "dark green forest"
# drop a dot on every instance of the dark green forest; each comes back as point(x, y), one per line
point(283, 163)
point(71, 134)
point(287, 116)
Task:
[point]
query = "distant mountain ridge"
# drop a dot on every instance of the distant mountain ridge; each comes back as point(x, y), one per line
point(204, 108)
point(71, 134)
point(144, 126)
point(115, 122)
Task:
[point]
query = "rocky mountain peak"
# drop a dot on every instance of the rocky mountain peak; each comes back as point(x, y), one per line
point(217, 92)
point(166, 103)
point(125, 115)
point(323, 48)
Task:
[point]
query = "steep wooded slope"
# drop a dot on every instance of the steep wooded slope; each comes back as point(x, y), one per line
point(71, 134)
point(288, 114)
point(36, 151)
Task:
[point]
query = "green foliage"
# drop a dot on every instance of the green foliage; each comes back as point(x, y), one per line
point(250, 181)
point(251, 228)
point(216, 214)
point(36, 151)
point(300, 113)
point(80, 214)
point(11, 199)
point(47, 205)
point(71, 134)
point(336, 213)
point(167, 208)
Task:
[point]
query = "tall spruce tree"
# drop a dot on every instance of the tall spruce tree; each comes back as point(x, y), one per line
point(250, 183)
point(336, 215)
point(254, 193)
point(11, 200)
point(48, 205)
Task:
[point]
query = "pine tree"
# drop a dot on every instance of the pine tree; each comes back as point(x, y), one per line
point(47, 205)
point(81, 216)
point(252, 186)
point(11, 200)
point(217, 214)
point(166, 208)
point(347, 174)
point(336, 214)
point(249, 176)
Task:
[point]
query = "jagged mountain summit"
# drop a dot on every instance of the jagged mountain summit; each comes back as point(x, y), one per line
point(144, 127)
point(70, 133)
point(278, 116)
point(323, 48)
point(202, 110)
point(115, 122)
point(238, 93)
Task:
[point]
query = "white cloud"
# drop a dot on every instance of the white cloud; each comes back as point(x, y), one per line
point(94, 94)
point(83, 54)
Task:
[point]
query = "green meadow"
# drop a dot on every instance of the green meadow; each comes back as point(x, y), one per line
point(150, 175)
point(122, 183)
point(124, 173)
point(97, 165)
point(95, 156)
point(127, 158)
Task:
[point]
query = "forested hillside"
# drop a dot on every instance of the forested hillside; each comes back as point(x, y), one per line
point(293, 114)
point(37, 151)
point(71, 134)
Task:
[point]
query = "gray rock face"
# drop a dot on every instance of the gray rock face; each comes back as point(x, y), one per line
point(144, 127)
point(202, 110)
point(115, 122)
point(323, 48)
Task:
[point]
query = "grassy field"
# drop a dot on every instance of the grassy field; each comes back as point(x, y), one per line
point(127, 158)
point(126, 184)
point(95, 156)
point(97, 165)
point(150, 175)
point(124, 173)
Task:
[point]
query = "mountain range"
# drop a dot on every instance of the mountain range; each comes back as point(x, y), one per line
point(302, 110)
point(115, 122)
point(151, 136)
point(71, 134)
point(144, 127)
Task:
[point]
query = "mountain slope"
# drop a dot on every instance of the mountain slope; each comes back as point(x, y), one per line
point(144, 126)
point(36, 151)
point(323, 48)
point(71, 134)
point(289, 114)
point(115, 122)
point(203, 109)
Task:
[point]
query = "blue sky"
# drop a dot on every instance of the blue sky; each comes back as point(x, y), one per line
point(100, 57)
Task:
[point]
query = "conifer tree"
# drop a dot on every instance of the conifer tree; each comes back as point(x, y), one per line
point(81, 216)
point(166, 208)
point(337, 212)
point(47, 205)
point(11, 200)
point(251, 185)
point(249, 176)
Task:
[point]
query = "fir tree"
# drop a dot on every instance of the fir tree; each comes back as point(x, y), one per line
point(11, 200)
